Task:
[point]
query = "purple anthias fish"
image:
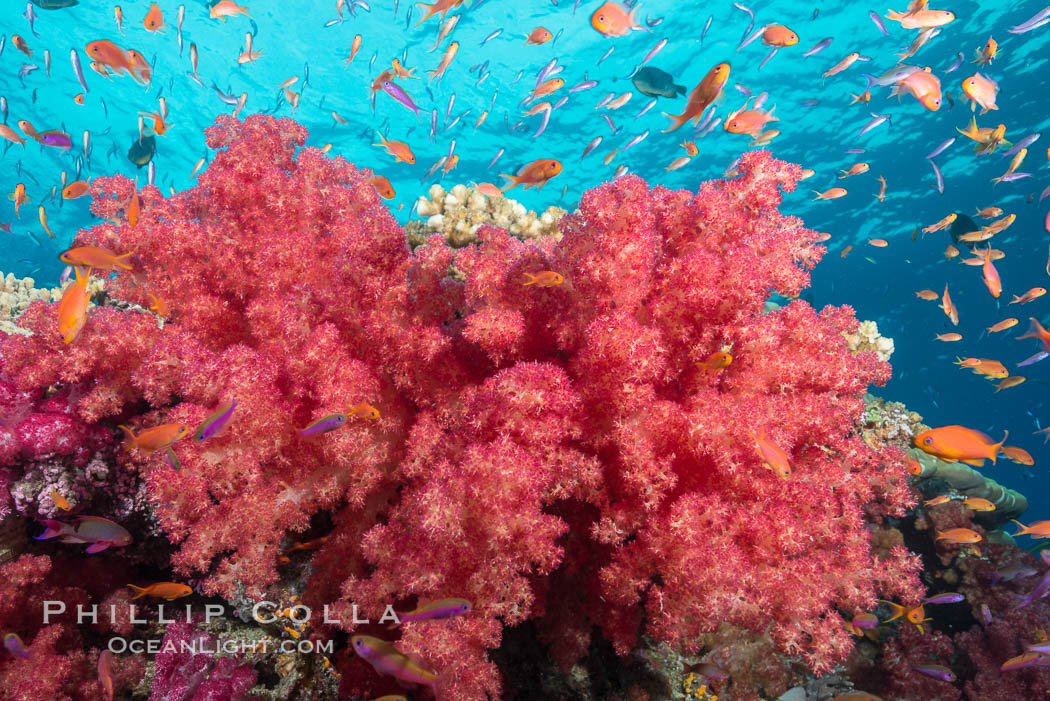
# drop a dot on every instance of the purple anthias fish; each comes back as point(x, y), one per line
point(892, 76)
point(15, 646)
point(401, 96)
point(445, 608)
point(955, 65)
point(1039, 592)
point(1042, 648)
point(949, 598)
point(100, 533)
point(58, 139)
point(937, 151)
point(939, 176)
point(866, 621)
point(324, 424)
point(215, 423)
point(936, 671)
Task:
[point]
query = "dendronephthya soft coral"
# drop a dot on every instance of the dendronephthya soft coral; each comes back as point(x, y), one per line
point(541, 449)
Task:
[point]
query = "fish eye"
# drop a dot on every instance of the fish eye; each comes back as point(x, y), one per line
point(928, 440)
point(601, 18)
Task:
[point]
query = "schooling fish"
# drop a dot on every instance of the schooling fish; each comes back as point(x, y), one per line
point(654, 82)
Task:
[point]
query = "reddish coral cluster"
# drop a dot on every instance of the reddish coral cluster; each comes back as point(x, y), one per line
point(187, 668)
point(558, 453)
point(61, 664)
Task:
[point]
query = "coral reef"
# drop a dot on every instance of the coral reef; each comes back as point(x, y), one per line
point(188, 668)
point(967, 481)
point(561, 453)
point(867, 338)
point(457, 214)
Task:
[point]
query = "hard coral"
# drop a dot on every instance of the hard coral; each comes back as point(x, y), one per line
point(518, 423)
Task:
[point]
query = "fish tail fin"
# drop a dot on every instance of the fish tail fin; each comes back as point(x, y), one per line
point(1024, 529)
point(139, 591)
point(53, 529)
point(130, 436)
point(531, 277)
point(819, 195)
point(513, 179)
point(122, 257)
point(1035, 329)
point(677, 120)
point(996, 447)
point(872, 81)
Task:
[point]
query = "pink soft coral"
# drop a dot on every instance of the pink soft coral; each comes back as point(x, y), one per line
point(542, 451)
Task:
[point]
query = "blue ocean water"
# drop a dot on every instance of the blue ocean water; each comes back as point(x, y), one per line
point(310, 40)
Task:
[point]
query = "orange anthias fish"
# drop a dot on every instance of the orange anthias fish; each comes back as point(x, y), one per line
point(539, 35)
point(978, 504)
point(442, 6)
point(987, 53)
point(1039, 529)
point(162, 590)
point(690, 147)
point(778, 35)
point(446, 59)
point(773, 456)
point(921, 19)
point(948, 337)
point(989, 213)
point(981, 91)
point(832, 194)
point(946, 304)
point(546, 278)
point(154, 20)
point(1002, 325)
point(1036, 331)
point(227, 8)
point(842, 65)
point(1010, 382)
point(924, 86)
point(383, 187)
point(942, 224)
point(612, 20)
point(314, 544)
point(159, 125)
point(855, 169)
point(959, 536)
point(19, 197)
point(75, 189)
point(987, 138)
point(72, 310)
point(716, 362)
point(538, 173)
point(750, 122)
point(991, 275)
point(363, 411)
point(150, 440)
point(928, 295)
point(1019, 455)
point(401, 151)
point(1034, 293)
point(95, 257)
point(59, 500)
point(546, 88)
point(959, 444)
point(705, 93)
point(991, 369)
point(109, 54)
point(913, 614)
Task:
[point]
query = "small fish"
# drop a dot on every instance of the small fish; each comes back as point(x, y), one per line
point(162, 590)
point(98, 533)
point(215, 424)
point(434, 610)
point(150, 440)
point(818, 47)
point(935, 671)
point(958, 443)
point(832, 194)
point(940, 149)
point(547, 278)
point(59, 500)
point(387, 659)
point(323, 425)
point(948, 598)
point(13, 644)
point(105, 674)
point(773, 457)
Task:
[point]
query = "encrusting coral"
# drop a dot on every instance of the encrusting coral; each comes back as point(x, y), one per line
point(458, 214)
point(567, 453)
